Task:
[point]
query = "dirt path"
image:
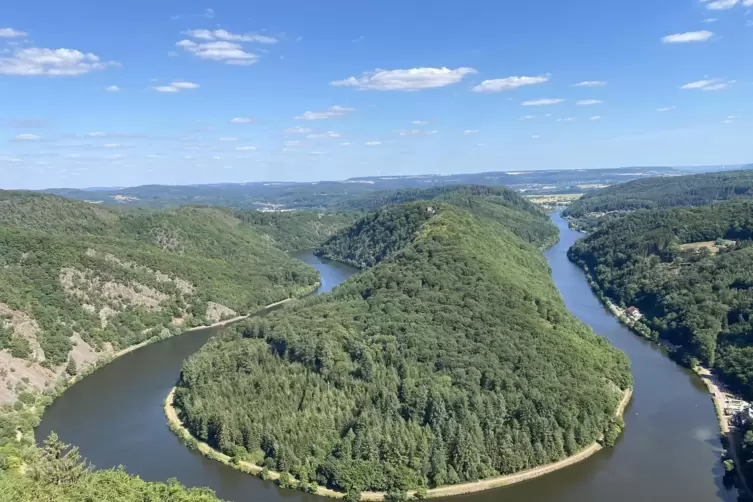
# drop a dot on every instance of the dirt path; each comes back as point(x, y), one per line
point(443, 491)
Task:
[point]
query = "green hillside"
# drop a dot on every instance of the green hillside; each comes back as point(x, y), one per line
point(690, 271)
point(451, 359)
point(80, 281)
point(695, 190)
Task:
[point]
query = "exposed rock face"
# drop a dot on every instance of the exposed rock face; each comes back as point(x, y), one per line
point(217, 312)
point(23, 327)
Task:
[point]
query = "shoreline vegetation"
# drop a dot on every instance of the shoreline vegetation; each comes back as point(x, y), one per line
point(66, 383)
point(176, 426)
point(709, 379)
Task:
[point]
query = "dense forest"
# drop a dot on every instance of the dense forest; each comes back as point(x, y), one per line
point(671, 191)
point(451, 359)
point(690, 271)
point(79, 281)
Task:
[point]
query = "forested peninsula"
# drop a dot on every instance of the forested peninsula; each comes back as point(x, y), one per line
point(690, 272)
point(450, 358)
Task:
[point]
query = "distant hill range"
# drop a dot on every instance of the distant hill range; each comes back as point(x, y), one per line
point(337, 194)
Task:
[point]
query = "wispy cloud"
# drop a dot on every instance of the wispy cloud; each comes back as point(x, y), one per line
point(420, 122)
point(416, 132)
point(174, 87)
point(246, 148)
point(468, 132)
point(508, 84)
point(112, 88)
point(231, 37)
point(595, 117)
point(332, 112)
point(690, 36)
point(709, 84)
point(588, 102)
point(542, 102)
point(328, 134)
point(721, 4)
point(298, 130)
point(11, 33)
point(226, 52)
point(527, 117)
point(665, 109)
point(591, 83)
point(33, 61)
point(228, 139)
point(414, 79)
point(243, 120)
point(27, 137)
point(373, 143)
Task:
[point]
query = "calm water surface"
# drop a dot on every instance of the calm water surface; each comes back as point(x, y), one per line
point(670, 449)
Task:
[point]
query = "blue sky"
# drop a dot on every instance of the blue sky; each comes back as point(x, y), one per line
point(101, 93)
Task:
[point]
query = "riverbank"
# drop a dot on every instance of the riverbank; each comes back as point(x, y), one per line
point(177, 427)
point(719, 397)
point(711, 381)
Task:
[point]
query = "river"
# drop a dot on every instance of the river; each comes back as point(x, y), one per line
point(669, 452)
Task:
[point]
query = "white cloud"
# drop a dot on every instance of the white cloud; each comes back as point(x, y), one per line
point(591, 83)
point(174, 87)
point(328, 134)
point(298, 130)
point(595, 117)
point(345, 144)
point(420, 122)
point(332, 112)
point(97, 134)
point(27, 137)
point(527, 117)
point(542, 102)
point(710, 20)
point(292, 142)
point(509, 83)
point(468, 132)
point(416, 132)
point(568, 119)
point(230, 37)
point(33, 61)
point(11, 33)
point(245, 148)
point(690, 36)
point(209, 13)
point(709, 84)
point(414, 79)
point(721, 4)
point(228, 139)
point(535, 136)
point(373, 143)
point(243, 120)
point(112, 88)
point(588, 102)
point(223, 51)
point(665, 109)
point(111, 145)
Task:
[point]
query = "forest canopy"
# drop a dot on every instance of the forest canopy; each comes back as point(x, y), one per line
point(660, 192)
point(452, 358)
point(690, 271)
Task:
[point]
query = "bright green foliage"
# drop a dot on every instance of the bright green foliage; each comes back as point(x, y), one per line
point(651, 193)
point(452, 359)
point(698, 301)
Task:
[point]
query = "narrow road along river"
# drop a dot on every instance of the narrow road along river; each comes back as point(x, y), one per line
point(669, 452)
